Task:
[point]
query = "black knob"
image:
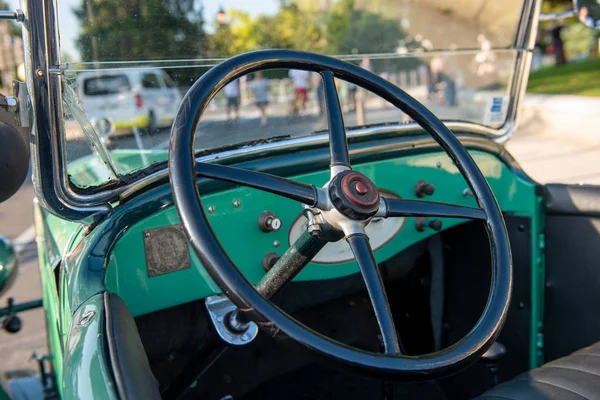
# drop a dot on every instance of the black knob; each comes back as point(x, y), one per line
point(435, 224)
point(424, 223)
point(13, 325)
point(423, 189)
point(269, 260)
point(268, 222)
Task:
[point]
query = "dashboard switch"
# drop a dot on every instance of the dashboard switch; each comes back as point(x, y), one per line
point(268, 222)
point(424, 223)
point(422, 188)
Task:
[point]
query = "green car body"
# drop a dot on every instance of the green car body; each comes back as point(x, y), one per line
point(93, 260)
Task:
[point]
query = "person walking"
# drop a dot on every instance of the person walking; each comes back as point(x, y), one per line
point(300, 79)
point(260, 86)
point(232, 94)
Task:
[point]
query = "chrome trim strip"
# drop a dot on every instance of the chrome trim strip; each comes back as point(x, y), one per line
point(524, 40)
point(299, 143)
point(559, 15)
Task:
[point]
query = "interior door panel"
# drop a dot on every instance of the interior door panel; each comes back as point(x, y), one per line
point(572, 293)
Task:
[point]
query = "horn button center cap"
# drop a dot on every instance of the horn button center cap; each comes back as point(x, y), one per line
point(354, 195)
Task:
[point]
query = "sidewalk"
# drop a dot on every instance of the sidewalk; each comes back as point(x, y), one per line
point(571, 105)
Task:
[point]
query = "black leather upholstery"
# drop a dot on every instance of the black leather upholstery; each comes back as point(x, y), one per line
point(574, 377)
point(570, 199)
point(130, 365)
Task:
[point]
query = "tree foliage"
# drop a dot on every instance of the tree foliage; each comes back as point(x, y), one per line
point(141, 30)
point(350, 29)
point(115, 30)
point(290, 28)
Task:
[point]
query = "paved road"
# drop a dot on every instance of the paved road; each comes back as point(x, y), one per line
point(16, 219)
point(215, 131)
point(550, 146)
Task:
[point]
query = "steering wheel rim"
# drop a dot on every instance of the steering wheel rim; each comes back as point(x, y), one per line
point(183, 172)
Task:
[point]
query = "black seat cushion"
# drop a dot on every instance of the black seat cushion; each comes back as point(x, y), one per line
point(133, 377)
point(574, 377)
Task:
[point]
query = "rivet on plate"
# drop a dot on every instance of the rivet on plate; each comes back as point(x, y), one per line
point(39, 73)
point(211, 209)
point(245, 338)
point(276, 243)
point(220, 318)
point(236, 203)
point(438, 164)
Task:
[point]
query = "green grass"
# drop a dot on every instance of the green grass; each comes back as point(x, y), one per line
point(581, 78)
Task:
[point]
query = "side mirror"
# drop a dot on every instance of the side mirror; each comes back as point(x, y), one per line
point(14, 161)
point(8, 264)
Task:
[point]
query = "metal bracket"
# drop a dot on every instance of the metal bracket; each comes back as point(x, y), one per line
point(18, 105)
point(16, 15)
point(219, 308)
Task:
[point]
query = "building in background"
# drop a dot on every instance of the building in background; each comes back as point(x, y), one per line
point(11, 54)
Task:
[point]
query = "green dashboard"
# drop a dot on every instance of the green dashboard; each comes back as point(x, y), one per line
point(152, 267)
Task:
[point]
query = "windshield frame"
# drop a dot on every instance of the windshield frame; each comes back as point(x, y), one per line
point(58, 194)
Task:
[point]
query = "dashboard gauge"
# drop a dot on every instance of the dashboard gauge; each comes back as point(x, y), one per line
point(380, 231)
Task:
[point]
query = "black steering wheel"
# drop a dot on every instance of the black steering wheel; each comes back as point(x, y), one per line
point(340, 209)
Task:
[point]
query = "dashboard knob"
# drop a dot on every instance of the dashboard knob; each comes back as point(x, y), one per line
point(422, 188)
point(268, 222)
point(424, 223)
point(269, 260)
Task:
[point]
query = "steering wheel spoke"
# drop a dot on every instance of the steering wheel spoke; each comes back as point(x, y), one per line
point(301, 192)
point(359, 243)
point(416, 208)
point(338, 143)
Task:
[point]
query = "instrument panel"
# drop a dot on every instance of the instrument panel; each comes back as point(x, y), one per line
point(256, 227)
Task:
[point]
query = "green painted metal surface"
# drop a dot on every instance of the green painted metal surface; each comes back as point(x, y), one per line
point(86, 372)
point(3, 394)
point(49, 294)
point(237, 229)
point(8, 264)
point(54, 237)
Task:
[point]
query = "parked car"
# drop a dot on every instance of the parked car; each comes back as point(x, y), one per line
point(143, 98)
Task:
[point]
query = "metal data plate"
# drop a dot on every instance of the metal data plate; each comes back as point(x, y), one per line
point(167, 250)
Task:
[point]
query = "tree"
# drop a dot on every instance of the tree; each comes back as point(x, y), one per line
point(353, 30)
point(555, 28)
point(350, 29)
point(290, 28)
point(115, 30)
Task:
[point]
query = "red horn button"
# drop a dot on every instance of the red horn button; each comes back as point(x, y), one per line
point(359, 190)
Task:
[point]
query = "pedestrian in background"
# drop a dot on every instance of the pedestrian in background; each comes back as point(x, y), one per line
point(260, 87)
point(232, 94)
point(300, 79)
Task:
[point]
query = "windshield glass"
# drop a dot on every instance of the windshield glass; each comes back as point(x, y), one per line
point(127, 64)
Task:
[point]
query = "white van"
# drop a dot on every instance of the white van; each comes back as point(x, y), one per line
point(143, 98)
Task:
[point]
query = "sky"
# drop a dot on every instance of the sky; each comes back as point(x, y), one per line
point(69, 26)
